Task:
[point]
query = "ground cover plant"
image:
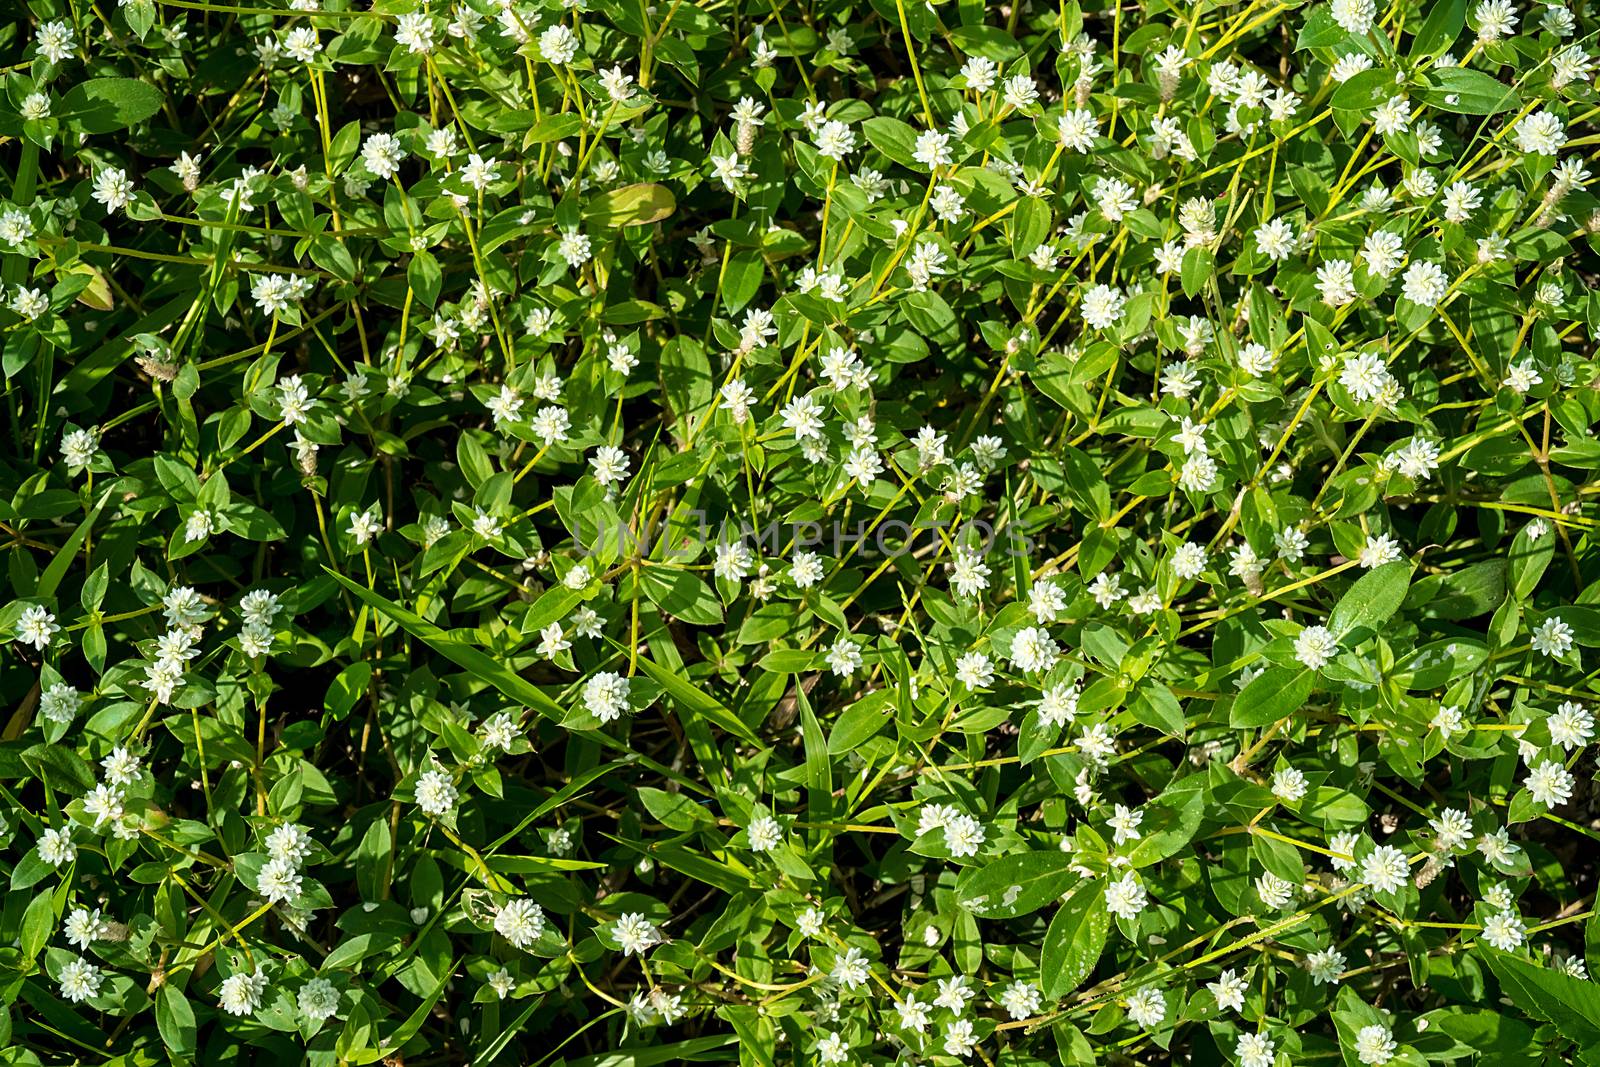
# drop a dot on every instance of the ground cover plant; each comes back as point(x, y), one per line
point(855, 531)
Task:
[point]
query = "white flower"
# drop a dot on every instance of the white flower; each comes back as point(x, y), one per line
point(1425, 283)
point(1126, 898)
point(56, 41)
point(1392, 116)
point(1113, 198)
point(851, 969)
point(1496, 847)
point(1315, 646)
point(963, 836)
point(1256, 1050)
point(60, 703)
point(635, 933)
point(913, 1013)
point(1378, 550)
point(1102, 306)
point(1520, 377)
point(1124, 823)
point(1229, 990)
point(84, 927)
point(1552, 637)
point(1336, 282)
point(835, 140)
point(969, 575)
point(382, 154)
point(78, 448)
point(80, 980)
point(1505, 931)
point(30, 303)
point(1147, 1007)
point(1570, 726)
point(415, 32)
point(279, 881)
point(1385, 869)
point(1288, 784)
point(844, 657)
point(1274, 892)
point(35, 107)
point(1325, 965)
point(574, 248)
point(113, 189)
point(520, 921)
point(1549, 784)
point(1375, 1045)
point(960, 1038)
point(558, 45)
point(56, 847)
point(1355, 16)
point(1349, 65)
point(1020, 1000)
point(606, 696)
point(480, 173)
point(318, 1000)
point(1188, 560)
point(765, 834)
point(953, 994)
point(833, 1049)
point(617, 84)
point(241, 993)
point(1383, 252)
point(810, 922)
point(1078, 129)
point(974, 670)
point(1541, 133)
point(1032, 649)
point(932, 149)
point(609, 464)
point(1276, 239)
point(436, 792)
point(1454, 829)
point(365, 525)
point(294, 400)
point(36, 627)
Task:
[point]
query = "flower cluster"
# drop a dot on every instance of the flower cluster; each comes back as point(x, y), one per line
point(893, 534)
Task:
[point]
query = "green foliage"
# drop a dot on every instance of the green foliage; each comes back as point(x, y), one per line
point(604, 534)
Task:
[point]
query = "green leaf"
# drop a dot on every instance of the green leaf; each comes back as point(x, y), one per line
point(630, 205)
point(1154, 705)
point(1571, 1004)
point(861, 722)
point(692, 699)
point(175, 1020)
point(66, 555)
point(1319, 30)
point(1464, 91)
point(37, 922)
point(105, 105)
point(1198, 266)
point(819, 768)
point(1074, 940)
point(1030, 225)
point(1528, 560)
point(1274, 694)
point(682, 595)
point(475, 662)
point(1440, 29)
point(1016, 884)
point(61, 767)
point(893, 138)
point(1365, 91)
point(1370, 602)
